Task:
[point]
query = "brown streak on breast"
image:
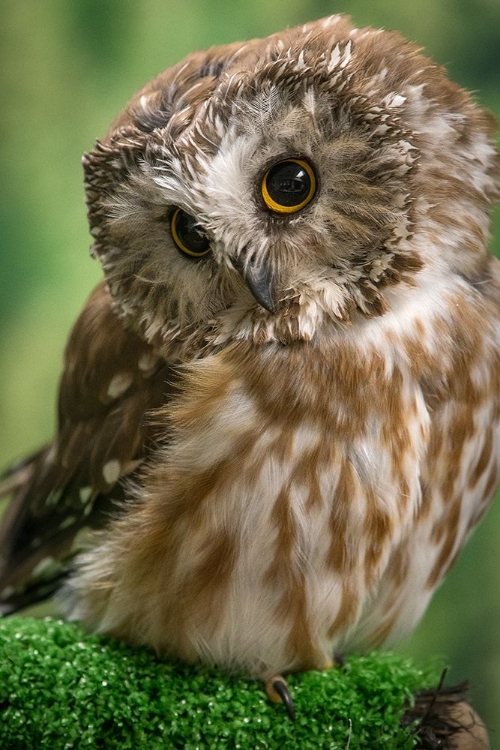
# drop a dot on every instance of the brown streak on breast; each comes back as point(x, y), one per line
point(179, 500)
point(451, 523)
point(483, 460)
point(425, 506)
point(346, 612)
point(205, 589)
point(293, 608)
point(378, 528)
point(305, 475)
point(398, 565)
point(382, 632)
point(460, 431)
point(312, 389)
point(309, 471)
point(284, 573)
point(284, 522)
point(342, 552)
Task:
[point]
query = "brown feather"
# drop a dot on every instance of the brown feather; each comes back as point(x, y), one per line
point(102, 441)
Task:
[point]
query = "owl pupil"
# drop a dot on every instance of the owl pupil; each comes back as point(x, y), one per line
point(187, 234)
point(288, 186)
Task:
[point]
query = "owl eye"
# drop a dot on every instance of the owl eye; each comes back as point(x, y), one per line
point(289, 186)
point(187, 234)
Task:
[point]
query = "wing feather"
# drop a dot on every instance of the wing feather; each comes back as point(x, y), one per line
point(111, 381)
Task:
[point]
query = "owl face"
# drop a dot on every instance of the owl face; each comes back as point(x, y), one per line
point(265, 188)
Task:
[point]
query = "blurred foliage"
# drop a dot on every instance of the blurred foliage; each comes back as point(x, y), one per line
point(66, 69)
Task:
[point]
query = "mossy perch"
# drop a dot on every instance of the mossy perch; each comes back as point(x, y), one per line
point(63, 688)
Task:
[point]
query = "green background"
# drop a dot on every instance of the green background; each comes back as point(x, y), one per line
point(66, 69)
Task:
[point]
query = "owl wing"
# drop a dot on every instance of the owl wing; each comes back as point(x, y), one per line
point(110, 383)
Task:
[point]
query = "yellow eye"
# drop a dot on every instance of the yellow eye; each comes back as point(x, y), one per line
point(289, 186)
point(187, 235)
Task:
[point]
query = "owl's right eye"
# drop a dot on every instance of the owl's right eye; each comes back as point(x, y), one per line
point(187, 235)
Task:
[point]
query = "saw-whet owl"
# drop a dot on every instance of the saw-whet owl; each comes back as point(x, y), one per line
point(280, 411)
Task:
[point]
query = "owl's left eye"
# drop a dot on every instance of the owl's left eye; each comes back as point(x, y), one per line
point(187, 235)
point(289, 186)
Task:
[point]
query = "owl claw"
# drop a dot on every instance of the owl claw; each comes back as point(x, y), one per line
point(278, 692)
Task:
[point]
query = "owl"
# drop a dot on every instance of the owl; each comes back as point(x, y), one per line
point(279, 414)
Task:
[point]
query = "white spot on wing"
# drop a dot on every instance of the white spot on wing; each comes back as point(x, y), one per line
point(147, 361)
point(54, 497)
point(85, 494)
point(46, 567)
point(119, 384)
point(111, 471)
point(68, 521)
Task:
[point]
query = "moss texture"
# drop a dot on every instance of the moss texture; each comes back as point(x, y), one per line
point(63, 688)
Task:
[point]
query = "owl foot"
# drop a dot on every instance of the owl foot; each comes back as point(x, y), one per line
point(278, 692)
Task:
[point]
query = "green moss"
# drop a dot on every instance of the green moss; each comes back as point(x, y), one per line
point(62, 688)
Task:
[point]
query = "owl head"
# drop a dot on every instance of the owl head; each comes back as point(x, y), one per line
point(281, 188)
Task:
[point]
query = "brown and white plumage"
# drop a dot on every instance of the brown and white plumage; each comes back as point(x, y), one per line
point(110, 382)
point(286, 441)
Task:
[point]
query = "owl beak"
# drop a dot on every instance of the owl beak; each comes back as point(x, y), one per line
point(259, 280)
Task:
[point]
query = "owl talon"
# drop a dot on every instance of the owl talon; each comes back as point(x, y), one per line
point(278, 692)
